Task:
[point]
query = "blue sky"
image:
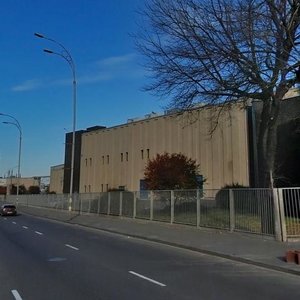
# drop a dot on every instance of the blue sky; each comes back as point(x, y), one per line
point(36, 88)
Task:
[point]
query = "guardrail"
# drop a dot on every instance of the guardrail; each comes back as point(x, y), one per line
point(260, 211)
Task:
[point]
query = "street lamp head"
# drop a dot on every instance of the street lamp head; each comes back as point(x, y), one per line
point(48, 51)
point(39, 35)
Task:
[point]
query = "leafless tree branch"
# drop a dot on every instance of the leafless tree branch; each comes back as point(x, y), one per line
point(221, 51)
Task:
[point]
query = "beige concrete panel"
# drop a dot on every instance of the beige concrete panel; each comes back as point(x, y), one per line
point(240, 152)
point(227, 150)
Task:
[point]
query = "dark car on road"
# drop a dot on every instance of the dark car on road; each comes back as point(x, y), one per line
point(8, 210)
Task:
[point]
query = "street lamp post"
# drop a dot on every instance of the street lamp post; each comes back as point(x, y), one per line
point(16, 124)
point(65, 54)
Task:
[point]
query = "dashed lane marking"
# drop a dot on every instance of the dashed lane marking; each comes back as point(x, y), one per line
point(72, 247)
point(147, 278)
point(16, 294)
point(25, 227)
point(39, 233)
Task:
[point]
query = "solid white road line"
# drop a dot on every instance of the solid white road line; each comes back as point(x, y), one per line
point(25, 227)
point(16, 294)
point(39, 233)
point(147, 278)
point(14, 223)
point(72, 247)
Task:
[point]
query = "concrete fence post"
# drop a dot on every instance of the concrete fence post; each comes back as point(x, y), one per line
point(151, 205)
point(121, 204)
point(98, 208)
point(172, 206)
point(278, 232)
point(134, 205)
point(198, 208)
point(75, 199)
point(89, 210)
point(231, 210)
point(108, 204)
point(282, 215)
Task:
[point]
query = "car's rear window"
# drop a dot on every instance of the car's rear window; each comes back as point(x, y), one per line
point(9, 206)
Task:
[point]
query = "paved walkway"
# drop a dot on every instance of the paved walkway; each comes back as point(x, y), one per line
point(248, 248)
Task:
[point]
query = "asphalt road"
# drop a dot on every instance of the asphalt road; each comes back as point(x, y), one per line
point(42, 259)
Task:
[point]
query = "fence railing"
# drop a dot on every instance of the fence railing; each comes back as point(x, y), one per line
point(261, 211)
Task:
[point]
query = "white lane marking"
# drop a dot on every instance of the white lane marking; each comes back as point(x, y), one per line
point(14, 223)
point(39, 233)
point(16, 294)
point(25, 227)
point(147, 278)
point(72, 247)
point(56, 259)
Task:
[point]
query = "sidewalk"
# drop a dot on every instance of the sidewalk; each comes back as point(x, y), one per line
point(247, 248)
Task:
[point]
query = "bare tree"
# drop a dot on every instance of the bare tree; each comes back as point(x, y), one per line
point(220, 51)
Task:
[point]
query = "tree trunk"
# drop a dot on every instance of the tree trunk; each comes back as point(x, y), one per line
point(267, 142)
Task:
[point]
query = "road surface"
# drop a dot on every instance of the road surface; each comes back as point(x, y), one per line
point(43, 259)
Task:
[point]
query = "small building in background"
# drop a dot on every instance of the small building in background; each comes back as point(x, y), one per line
point(3, 189)
point(25, 183)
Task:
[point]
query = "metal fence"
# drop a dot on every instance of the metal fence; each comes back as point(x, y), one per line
point(272, 212)
point(291, 207)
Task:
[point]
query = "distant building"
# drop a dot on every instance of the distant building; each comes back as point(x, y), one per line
point(27, 182)
point(3, 190)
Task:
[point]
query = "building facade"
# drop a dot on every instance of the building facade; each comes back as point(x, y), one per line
point(77, 159)
point(56, 179)
point(115, 158)
point(27, 182)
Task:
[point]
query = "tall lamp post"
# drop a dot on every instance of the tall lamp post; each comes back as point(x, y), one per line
point(16, 124)
point(65, 54)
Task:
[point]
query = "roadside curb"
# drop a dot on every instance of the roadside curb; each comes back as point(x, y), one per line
point(71, 221)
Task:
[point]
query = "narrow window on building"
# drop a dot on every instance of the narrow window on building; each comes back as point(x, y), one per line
point(121, 156)
point(86, 162)
point(142, 154)
point(89, 188)
point(85, 188)
point(107, 158)
point(90, 161)
point(107, 187)
point(102, 187)
point(102, 159)
point(126, 156)
point(148, 153)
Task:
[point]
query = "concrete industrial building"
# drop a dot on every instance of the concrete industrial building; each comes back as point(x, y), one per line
point(116, 157)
